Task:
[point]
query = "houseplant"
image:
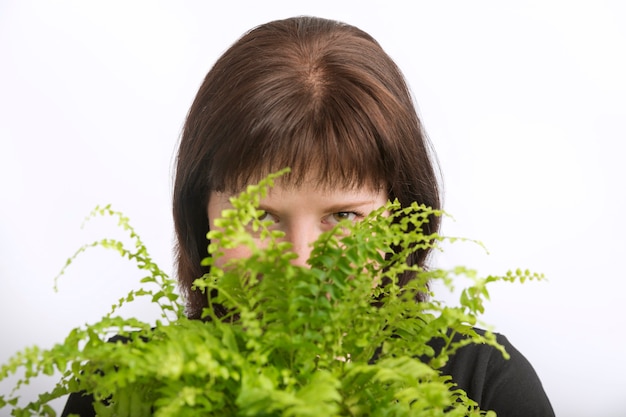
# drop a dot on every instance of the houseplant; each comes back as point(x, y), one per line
point(296, 341)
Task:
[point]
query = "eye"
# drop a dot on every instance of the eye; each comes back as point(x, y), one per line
point(265, 216)
point(345, 215)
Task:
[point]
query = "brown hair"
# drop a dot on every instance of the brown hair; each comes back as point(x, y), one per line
point(315, 95)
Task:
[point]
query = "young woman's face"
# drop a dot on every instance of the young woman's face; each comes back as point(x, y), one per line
point(303, 213)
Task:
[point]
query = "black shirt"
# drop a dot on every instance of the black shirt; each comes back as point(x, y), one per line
point(510, 387)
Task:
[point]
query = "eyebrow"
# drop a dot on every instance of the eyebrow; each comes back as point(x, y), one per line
point(334, 207)
point(348, 204)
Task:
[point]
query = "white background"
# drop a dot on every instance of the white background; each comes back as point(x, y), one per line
point(524, 102)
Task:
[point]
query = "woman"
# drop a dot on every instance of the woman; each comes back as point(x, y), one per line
point(324, 99)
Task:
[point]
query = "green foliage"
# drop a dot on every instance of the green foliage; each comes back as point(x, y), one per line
point(297, 341)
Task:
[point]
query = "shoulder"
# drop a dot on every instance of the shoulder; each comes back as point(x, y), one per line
point(510, 387)
point(79, 404)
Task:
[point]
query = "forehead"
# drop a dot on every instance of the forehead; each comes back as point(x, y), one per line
point(308, 198)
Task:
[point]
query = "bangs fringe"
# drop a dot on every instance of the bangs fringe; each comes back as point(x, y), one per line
point(324, 148)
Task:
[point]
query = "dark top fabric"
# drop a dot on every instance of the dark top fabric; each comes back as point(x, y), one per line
point(510, 387)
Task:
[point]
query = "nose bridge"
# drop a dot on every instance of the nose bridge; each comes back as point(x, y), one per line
point(301, 235)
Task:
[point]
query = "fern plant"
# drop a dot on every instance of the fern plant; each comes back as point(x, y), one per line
point(339, 338)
